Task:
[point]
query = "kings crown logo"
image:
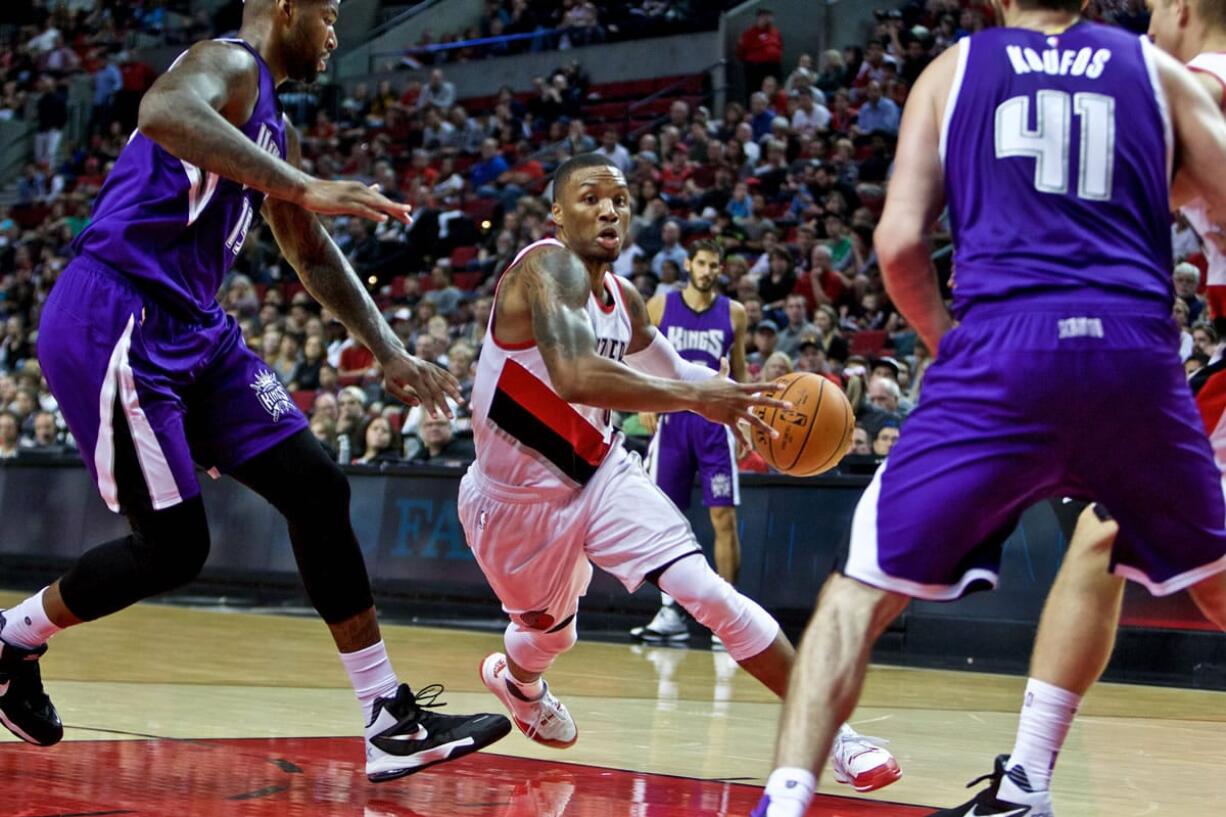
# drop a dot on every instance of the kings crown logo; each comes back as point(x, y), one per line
point(272, 394)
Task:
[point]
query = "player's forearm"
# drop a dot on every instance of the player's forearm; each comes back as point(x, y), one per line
point(190, 129)
point(911, 282)
point(331, 280)
point(602, 383)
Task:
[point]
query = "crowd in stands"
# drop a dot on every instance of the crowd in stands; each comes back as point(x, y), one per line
point(789, 181)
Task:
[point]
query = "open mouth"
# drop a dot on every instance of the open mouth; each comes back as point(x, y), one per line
point(609, 238)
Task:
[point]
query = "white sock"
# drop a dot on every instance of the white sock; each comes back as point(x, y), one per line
point(1047, 714)
point(790, 790)
point(371, 674)
point(527, 691)
point(27, 625)
point(666, 600)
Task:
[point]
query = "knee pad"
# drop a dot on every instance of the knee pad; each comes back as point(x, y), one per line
point(171, 545)
point(740, 622)
point(535, 650)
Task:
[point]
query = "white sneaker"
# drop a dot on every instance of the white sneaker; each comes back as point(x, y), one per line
point(861, 762)
point(544, 720)
point(668, 627)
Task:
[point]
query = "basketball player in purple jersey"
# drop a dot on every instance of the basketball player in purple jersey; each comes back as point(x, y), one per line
point(154, 378)
point(704, 327)
point(1053, 140)
point(1077, 630)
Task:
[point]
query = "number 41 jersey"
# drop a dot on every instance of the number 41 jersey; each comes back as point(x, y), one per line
point(1057, 152)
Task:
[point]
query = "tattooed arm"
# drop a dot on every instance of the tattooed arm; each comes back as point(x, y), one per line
point(330, 279)
point(555, 289)
point(194, 111)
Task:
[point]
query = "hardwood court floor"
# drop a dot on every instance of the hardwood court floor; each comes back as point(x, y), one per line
point(173, 711)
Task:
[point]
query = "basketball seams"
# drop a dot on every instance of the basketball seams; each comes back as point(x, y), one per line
point(774, 415)
point(817, 410)
point(844, 442)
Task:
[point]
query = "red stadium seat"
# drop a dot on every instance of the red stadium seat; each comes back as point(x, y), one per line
point(867, 342)
point(304, 399)
point(469, 281)
point(460, 257)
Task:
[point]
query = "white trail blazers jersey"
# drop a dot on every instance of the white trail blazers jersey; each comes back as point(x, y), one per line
point(525, 433)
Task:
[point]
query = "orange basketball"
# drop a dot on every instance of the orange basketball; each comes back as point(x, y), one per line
point(814, 435)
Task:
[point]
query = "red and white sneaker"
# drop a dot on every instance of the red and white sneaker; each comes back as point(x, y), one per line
point(861, 762)
point(544, 719)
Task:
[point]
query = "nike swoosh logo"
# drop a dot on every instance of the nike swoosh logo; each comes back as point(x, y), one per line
point(421, 733)
point(1019, 812)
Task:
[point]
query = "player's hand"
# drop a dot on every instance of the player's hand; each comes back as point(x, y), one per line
point(650, 421)
point(352, 199)
point(415, 381)
point(724, 401)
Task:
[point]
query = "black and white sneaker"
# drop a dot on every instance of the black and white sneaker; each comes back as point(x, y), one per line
point(1023, 800)
point(24, 708)
point(405, 737)
point(668, 627)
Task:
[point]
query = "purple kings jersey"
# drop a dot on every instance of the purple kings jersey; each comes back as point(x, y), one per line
point(172, 228)
point(699, 337)
point(1057, 152)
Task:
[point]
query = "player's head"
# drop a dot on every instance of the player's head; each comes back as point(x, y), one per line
point(591, 206)
point(304, 29)
point(1179, 27)
point(1007, 11)
point(703, 264)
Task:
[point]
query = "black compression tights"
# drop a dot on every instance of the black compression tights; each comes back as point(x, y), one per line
point(167, 548)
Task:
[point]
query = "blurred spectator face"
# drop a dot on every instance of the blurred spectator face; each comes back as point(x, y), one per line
point(26, 402)
point(1185, 282)
point(1180, 312)
point(440, 277)
point(351, 405)
point(313, 350)
point(435, 433)
point(481, 310)
point(820, 259)
point(269, 315)
point(745, 289)
point(679, 113)
point(874, 55)
point(873, 92)
point(775, 367)
point(436, 79)
point(764, 340)
point(795, 308)
point(770, 86)
point(648, 142)
point(753, 310)
point(671, 233)
point(886, 438)
point(811, 358)
point(324, 430)
point(428, 347)
point(438, 328)
point(1204, 340)
point(9, 430)
point(669, 273)
point(881, 395)
point(8, 390)
point(328, 379)
point(758, 103)
point(270, 343)
point(835, 228)
point(859, 441)
point(883, 370)
point(289, 348)
point(325, 406)
point(44, 429)
point(781, 263)
point(13, 327)
point(765, 19)
point(460, 361)
point(743, 133)
point(378, 435)
point(609, 140)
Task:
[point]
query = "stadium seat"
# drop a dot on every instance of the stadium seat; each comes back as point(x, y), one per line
point(867, 342)
point(468, 281)
point(461, 256)
point(304, 399)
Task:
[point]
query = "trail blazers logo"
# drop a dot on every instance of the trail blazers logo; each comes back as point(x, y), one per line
point(272, 394)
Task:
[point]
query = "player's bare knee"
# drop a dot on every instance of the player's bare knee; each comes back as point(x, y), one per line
point(745, 628)
point(855, 608)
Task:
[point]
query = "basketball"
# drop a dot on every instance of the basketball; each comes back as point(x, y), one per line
point(814, 435)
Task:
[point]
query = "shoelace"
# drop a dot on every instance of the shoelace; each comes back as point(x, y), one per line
point(427, 696)
point(992, 775)
point(546, 713)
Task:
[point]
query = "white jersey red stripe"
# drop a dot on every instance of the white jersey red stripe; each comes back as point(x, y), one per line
point(525, 433)
point(1197, 213)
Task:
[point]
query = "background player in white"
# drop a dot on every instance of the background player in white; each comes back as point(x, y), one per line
point(553, 490)
point(704, 327)
point(1077, 629)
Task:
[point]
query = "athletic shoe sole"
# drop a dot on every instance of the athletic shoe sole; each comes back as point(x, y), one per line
point(873, 779)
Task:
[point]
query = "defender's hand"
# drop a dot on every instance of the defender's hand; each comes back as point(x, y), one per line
point(413, 380)
point(352, 199)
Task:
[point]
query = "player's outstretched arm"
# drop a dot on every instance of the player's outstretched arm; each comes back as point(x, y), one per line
point(194, 111)
point(328, 276)
point(913, 202)
point(555, 287)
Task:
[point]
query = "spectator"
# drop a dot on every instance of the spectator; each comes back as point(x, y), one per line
point(1179, 310)
point(878, 114)
point(775, 287)
point(859, 442)
point(445, 295)
point(809, 118)
point(1187, 280)
point(437, 93)
point(15, 348)
point(672, 250)
point(44, 436)
point(761, 116)
point(1206, 340)
point(327, 407)
point(439, 445)
point(381, 443)
point(798, 327)
point(324, 430)
point(811, 358)
point(760, 49)
point(883, 397)
point(765, 336)
point(885, 439)
point(10, 432)
point(305, 375)
point(52, 118)
point(488, 170)
point(777, 364)
point(285, 362)
point(611, 147)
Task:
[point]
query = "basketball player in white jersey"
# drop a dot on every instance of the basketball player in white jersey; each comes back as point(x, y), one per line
point(1077, 630)
point(553, 490)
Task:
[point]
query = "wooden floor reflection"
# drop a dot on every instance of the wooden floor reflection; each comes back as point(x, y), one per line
point(207, 713)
